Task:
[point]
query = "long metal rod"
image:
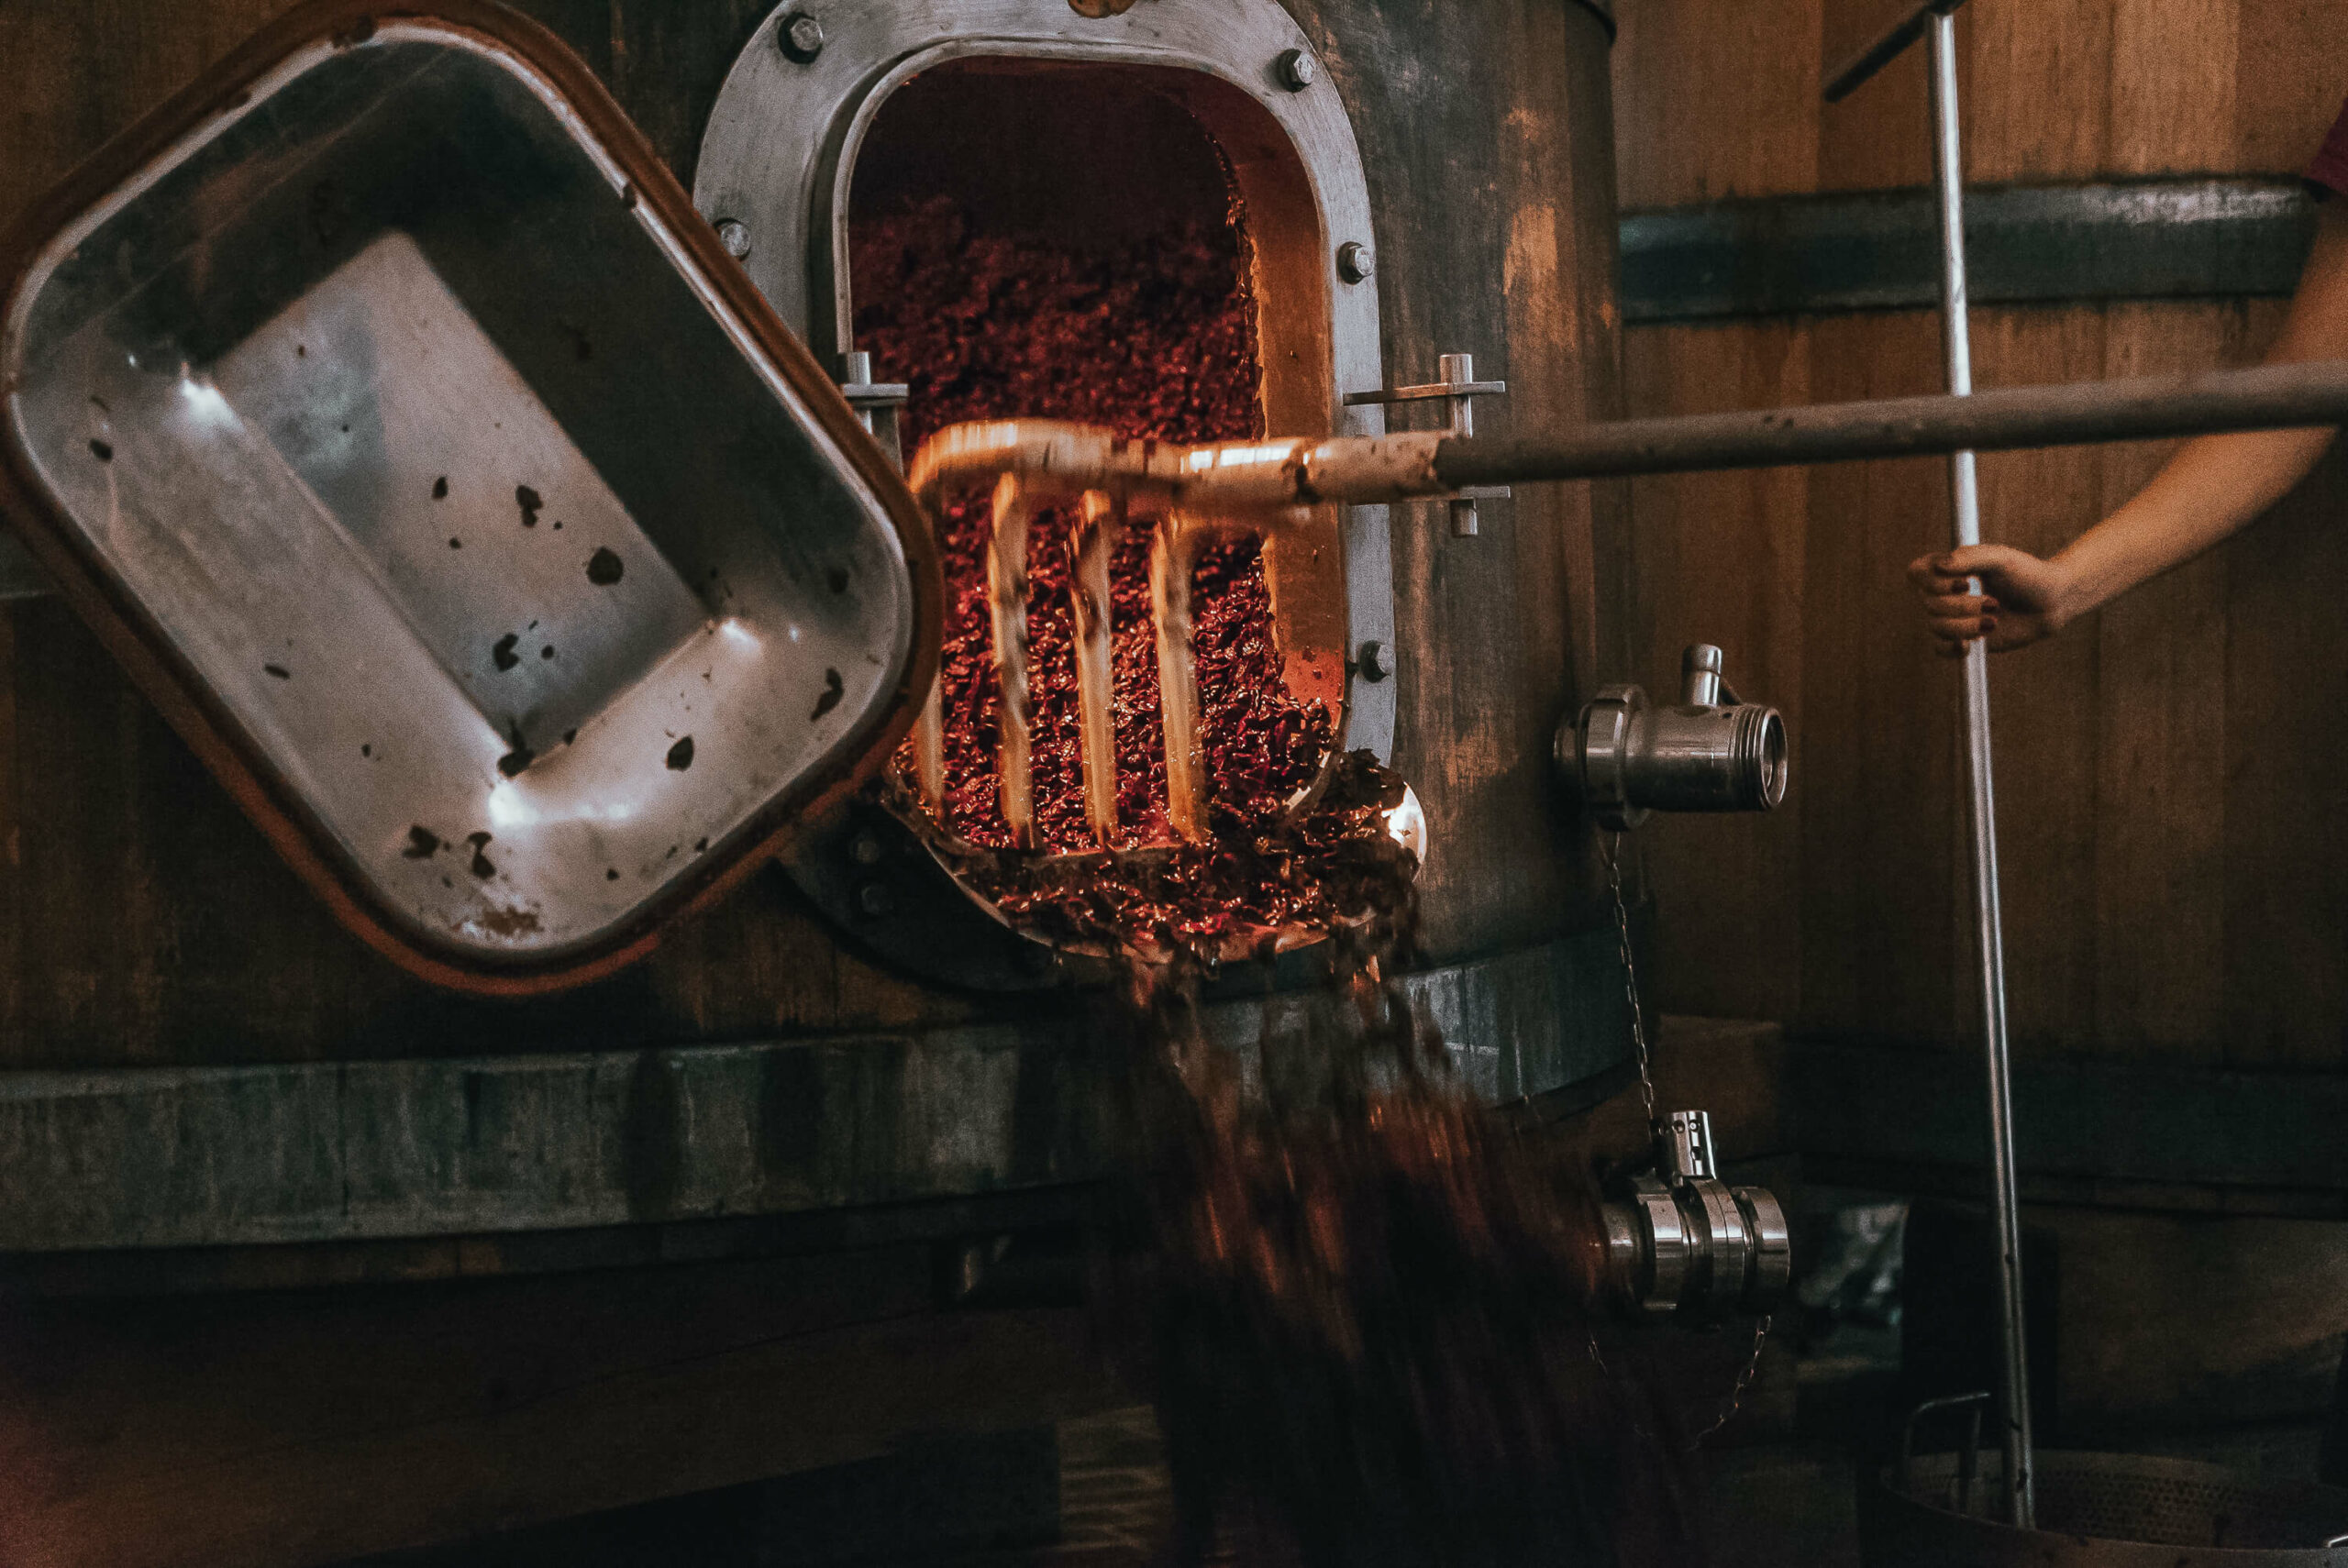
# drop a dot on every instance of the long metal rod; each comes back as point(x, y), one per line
point(1262, 479)
point(1965, 496)
point(2266, 397)
point(1885, 47)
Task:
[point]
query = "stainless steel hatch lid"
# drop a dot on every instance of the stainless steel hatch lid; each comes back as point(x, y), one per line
point(384, 403)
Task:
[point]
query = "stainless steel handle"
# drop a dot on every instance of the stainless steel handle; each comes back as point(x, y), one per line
point(1685, 1242)
point(1627, 756)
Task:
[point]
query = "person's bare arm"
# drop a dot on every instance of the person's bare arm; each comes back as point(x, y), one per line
point(2211, 488)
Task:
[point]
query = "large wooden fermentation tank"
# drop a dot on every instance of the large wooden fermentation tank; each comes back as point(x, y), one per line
point(2166, 791)
point(206, 1084)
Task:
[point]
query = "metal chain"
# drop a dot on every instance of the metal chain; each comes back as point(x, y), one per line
point(1743, 1382)
point(1613, 854)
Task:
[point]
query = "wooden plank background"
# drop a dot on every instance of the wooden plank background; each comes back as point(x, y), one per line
point(2171, 786)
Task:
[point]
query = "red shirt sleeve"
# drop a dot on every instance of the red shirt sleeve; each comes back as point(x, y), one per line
point(2329, 169)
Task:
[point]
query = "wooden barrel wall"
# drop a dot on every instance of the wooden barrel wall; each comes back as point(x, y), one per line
point(1503, 227)
point(2170, 782)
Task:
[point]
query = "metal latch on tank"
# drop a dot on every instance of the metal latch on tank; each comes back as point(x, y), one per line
point(1680, 1240)
point(877, 404)
point(1458, 389)
point(1710, 753)
point(1686, 1241)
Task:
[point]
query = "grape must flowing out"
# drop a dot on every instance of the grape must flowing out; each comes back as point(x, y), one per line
point(1369, 1313)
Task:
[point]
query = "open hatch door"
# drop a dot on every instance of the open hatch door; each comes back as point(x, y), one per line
point(386, 405)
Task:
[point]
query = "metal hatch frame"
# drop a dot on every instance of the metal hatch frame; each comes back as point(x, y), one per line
point(777, 157)
point(780, 148)
point(225, 745)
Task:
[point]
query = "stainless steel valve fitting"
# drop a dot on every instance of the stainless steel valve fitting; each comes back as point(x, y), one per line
point(1685, 1242)
point(1629, 757)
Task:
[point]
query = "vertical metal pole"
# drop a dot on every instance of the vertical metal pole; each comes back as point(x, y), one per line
point(1948, 184)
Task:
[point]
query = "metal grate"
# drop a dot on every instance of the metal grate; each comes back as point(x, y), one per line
point(2148, 1500)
